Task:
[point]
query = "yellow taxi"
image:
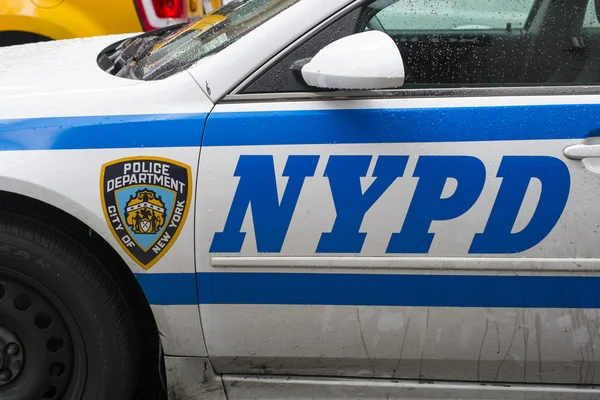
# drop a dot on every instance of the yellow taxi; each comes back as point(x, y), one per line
point(25, 21)
point(196, 28)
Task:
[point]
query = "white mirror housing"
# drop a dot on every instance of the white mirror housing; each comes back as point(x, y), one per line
point(364, 61)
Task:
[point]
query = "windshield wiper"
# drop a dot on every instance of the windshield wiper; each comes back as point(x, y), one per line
point(120, 57)
point(125, 53)
point(136, 50)
point(131, 53)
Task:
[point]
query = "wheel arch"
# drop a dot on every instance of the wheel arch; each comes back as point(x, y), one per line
point(16, 37)
point(85, 235)
point(62, 22)
point(34, 25)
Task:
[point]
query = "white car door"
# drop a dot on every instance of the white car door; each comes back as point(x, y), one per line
point(438, 231)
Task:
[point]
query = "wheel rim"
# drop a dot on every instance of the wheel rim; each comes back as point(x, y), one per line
point(36, 346)
point(11, 356)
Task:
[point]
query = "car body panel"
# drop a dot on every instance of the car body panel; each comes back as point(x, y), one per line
point(52, 110)
point(67, 70)
point(280, 294)
point(277, 387)
point(59, 67)
point(69, 180)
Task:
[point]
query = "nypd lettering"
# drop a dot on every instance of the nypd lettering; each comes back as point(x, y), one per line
point(145, 202)
point(258, 193)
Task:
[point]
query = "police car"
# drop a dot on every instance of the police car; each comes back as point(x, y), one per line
point(306, 199)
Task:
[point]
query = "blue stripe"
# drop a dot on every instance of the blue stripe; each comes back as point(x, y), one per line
point(402, 125)
point(169, 289)
point(303, 127)
point(399, 290)
point(102, 132)
point(374, 290)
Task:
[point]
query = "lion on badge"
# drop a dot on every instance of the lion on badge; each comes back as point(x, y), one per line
point(145, 212)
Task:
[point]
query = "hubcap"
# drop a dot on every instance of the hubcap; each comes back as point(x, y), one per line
point(36, 348)
point(11, 356)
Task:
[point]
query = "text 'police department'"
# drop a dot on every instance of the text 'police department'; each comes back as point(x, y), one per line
point(145, 172)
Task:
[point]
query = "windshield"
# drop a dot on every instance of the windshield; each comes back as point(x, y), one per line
point(181, 49)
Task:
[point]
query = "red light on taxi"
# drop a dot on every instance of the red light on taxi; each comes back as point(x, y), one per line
point(168, 8)
point(160, 13)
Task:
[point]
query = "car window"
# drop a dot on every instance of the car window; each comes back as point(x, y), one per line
point(467, 43)
point(217, 30)
point(451, 14)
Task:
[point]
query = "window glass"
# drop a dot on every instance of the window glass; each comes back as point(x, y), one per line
point(469, 43)
point(591, 20)
point(215, 31)
point(452, 14)
point(486, 42)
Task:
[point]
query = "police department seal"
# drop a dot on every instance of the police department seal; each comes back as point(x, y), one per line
point(145, 201)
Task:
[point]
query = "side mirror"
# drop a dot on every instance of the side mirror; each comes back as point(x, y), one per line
point(367, 60)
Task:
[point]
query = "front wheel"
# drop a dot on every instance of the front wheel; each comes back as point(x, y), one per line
point(66, 331)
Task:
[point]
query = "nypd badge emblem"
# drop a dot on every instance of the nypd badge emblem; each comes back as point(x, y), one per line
point(145, 201)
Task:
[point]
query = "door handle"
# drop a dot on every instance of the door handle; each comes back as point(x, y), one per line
point(581, 151)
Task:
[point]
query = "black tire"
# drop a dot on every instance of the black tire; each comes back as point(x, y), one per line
point(68, 316)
